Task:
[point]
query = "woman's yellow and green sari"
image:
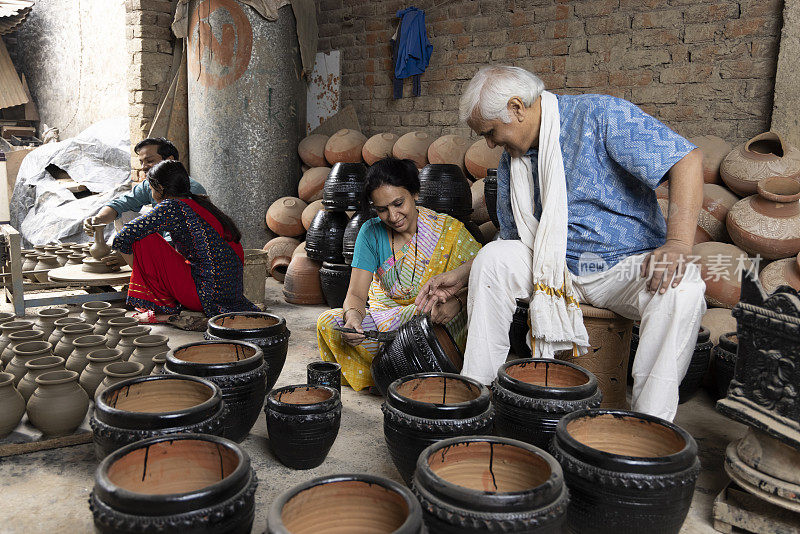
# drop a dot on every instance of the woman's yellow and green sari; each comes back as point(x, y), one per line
point(441, 244)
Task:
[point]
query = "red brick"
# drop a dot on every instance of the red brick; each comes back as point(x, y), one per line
point(745, 27)
point(627, 78)
point(655, 38)
point(686, 74)
point(587, 79)
point(658, 19)
point(595, 8)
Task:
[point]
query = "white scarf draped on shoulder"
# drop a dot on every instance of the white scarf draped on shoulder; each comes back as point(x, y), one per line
point(555, 317)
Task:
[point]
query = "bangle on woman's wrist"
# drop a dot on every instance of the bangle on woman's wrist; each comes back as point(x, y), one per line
point(352, 309)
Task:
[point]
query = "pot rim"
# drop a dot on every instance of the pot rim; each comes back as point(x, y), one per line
point(113, 355)
point(171, 503)
point(677, 461)
point(229, 333)
point(50, 313)
point(125, 318)
point(580, 391)
point(112, 312)
point(763, 136)
point(6, 379)
point(120, 375)
point(331, 403)
point(767, 194)
point(67, 321)
point(160, 339)
point(44, 346)
point(727, 343)
point(55, 378)
point(13, 326)
point(174, 364)
point(26, 334)
point(81, 342)
point(411, 525)
point(442, 359)
point(83, 327)
point(143, 330)
point(95, 305)
point(30, 365)
point(458, 410)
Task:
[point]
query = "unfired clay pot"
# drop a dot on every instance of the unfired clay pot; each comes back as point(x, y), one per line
point(116, 372)
point(33, 369)
point(57, 334)
point(146, 347)
point(29, 264)
point(413, 146)
point(15, 338)
point(71, 331)
point(103, 316)
point(312, 150)
point(46, 318)
point(302, 283)
point(114, 326)
point(310, 187)
point(62, 256)
point(718, 321)
point(7, 328)
point(378, 147)
point(714, 150)
point(480, 214)
point(93, 375)
point(75, 259)
point(721, 266)
point(449, 149)
point(768, 223)
point(99, 248)
point(126, 337)
point(45, 262)
point(90, 309)
point(785, 272)
point(764, 156)
point(13, 405)
point(480, 158)
point(158, 363)
point(59, 404)
point(83, 346)
point(25, 352)
point(345, 146)
point(310, 211)
point(279, 254)
point(284, 216)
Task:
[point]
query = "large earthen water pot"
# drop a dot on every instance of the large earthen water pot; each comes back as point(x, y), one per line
point(92, 375)
point(449, 149)
point(335, 280)
point(300, 250)
point(717, 201)
point(345, 146)
point(722, 266)
point(310, 187)
point(34, 368)
point(378, 147)
point(312, 150)
point(279, 254)
point(714, 150)
point(413, 146)
point(718, 321)
point(785, 272)
point(311, 211)
point(480, 213)
point(25, 352)
point(445, 189)
point(344, 187)
point(13, 405)
point(46, 318)
point(59, 404)
point(764, 156)
point(768, 223)
point(324, 236)
point(284, 216)
point(479, 158)
point(302, 284)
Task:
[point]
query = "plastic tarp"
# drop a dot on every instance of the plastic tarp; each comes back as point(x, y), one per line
point(43, 210)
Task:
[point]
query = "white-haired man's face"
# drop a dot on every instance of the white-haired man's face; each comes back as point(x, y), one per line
point(517, 136)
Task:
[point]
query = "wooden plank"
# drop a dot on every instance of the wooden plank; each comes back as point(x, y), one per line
point(11, 91)
point(737, 509)
point(26, 439)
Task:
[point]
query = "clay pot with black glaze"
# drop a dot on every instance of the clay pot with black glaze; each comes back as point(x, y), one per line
point(46, 318)
point(93, 374)
point(626, 472)
point(518, 331)
point(238, 368)
point(148, 406)
point(490, 195)
point(83, 346)
point(324, 236)
point(698, 367)
point(725, 362)
point(445, 189)
point(264, 330)
point(303, 422)
point(351, 233)
point(325, 374)
point(34, 368)
point(344, 186)
point(424, 408)
point(420, 346)
point(7, 328)
point(482, 484)
point(58, 405)
point(178, 484)
point(336, 503)
point(13, 405)
point(335, 280)
point(115, 326)
point(25, 352)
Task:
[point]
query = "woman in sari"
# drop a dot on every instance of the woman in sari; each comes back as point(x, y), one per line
point(395, 254)
point(202, 272)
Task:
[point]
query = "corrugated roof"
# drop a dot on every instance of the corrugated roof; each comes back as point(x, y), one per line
point(13, 13)
point(11, 91)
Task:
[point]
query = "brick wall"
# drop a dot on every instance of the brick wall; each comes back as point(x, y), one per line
point(701, 67)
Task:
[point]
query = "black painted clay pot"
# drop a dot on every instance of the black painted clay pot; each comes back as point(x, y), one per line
point(490, 195)
point(237, 367)
point(420, 346)
point(265, 330)
point(725, 362)
point(530, 396)
point(634, 348)
point(346, 503)
point(424, 408)
point(325, 374)
point(149, 406)
point(324, 236)
point(334, 279)
point(344, 186)
point(518, 331)
point(303, 422)
point(489, 484)
point(183, 484)
point(445, 189)
point(698, 367)
point(626, 472)
point(351, 233)
point(474, 231)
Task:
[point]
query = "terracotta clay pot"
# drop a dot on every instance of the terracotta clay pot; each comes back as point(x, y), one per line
point(698, 366)
point(421, 409)
point(17, 338)
point(103, 316)
point(785, 272)
point(310, 187)
point(279, 254)
point(93, 374)
point(449, 149)
point(717, 201)
point(115, 325)
point(721, 266)
point(301, 249)
point(351, 233)
point(310, 212)
point(768, 223)
point(344, 187)
point(488, 232)
point(444, 189)
point(46, 318)
point(127, 336)
point(25, 352)
point(413, 146)
point(145, 347)
point(13, 405)
point(59, 404)
point(714, 150)
point(302, 422)
point(90, 309)
point(117, 372)
point(238, 368)
point(480, 213)
point(57, 334)
point(149, 406)
point(378, 147)
point(718, 321)
point(284, 216)
point(626, 471)
point(7, 328)
point(71, 332)
point(203, 484)
point(725, 362)
point(34, 368)
point(345, 147)
point(312, 150)
point(336, 504)
point(324, 236)
point(82, 347)
point(302, 283)
point(482, 484)
point(264, 330)
point(479, 158)
point(764, 156)
point(334, 280)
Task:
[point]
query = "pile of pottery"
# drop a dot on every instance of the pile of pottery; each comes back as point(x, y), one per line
point(42, 258)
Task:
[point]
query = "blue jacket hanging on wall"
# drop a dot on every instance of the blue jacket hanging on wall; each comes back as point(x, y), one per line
point(411, 49)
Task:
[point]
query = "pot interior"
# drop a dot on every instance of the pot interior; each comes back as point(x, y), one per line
point(780, 185)
point(767, 146)
point(438, 390)
point(345, 507)
point(158, 396)
point(179, 466)
point(303, 395)
point(626, 435)
point(449, 348)
point(548, 374)
point(490, 467)
point(242, 322)
point(214, 353)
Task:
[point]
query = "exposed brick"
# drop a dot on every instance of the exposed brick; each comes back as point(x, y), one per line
point(698, 33)
point(626, 78)
point(657, 94)
point(658, 19)
point(587, 79)
point(616, 23)
point(655, 38)
point(645, 58)
point(595, 8)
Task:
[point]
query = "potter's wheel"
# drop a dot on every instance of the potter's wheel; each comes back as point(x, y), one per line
point(91, 265)
point(780, 492)
point(76, 273)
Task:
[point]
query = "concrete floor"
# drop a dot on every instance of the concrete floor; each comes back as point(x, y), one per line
point(48, 491)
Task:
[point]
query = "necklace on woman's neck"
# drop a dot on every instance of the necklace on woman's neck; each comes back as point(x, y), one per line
point(405, 290)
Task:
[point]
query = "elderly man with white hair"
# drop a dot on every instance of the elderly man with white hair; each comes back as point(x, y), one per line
point(579, 223)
